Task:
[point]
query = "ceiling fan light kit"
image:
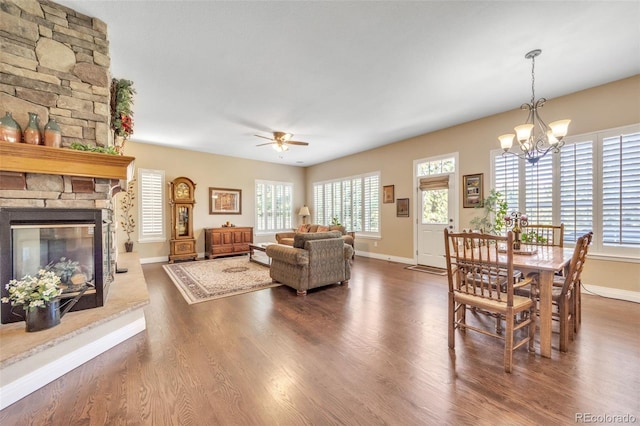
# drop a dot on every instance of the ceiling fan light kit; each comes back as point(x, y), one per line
point(281, 141)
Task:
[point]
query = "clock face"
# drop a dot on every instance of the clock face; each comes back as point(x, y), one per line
point(182, 191)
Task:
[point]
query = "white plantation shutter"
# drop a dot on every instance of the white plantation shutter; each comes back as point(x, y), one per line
point(151, 189)
point(621, 190)
point(371, 211)
point(506, 178)
point(539, 191)
point(319, 215)
point(274, 206)
point(355, 201)
point(593, 185)
point(576, 189)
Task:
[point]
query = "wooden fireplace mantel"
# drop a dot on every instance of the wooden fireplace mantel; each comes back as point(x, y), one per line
point(22, 157)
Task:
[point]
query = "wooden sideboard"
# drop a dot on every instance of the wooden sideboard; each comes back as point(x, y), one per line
point(227, 241)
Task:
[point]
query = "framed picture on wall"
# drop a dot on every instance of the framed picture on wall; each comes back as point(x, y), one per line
point(473, 193)
point(388, 195)
point(402, 207)
point(225, 201)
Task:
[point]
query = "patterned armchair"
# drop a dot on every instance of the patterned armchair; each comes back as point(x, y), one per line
point(316, 259)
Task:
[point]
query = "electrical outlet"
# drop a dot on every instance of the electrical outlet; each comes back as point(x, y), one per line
point(375, 244)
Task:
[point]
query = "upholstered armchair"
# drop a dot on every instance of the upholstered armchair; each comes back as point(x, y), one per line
point(316, 259)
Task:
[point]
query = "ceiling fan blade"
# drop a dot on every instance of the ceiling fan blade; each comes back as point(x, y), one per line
point(297, 143)
point(268, 143)
point(264, 137)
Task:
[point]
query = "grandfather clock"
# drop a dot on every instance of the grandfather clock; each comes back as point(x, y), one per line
point(181, 197)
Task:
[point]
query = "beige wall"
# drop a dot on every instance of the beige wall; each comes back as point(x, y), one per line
point(208, 170)
point(603, 107)
point(612, 105)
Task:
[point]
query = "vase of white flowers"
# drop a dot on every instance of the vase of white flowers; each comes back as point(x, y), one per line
point(39, 297)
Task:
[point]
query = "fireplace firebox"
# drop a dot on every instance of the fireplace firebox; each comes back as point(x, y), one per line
point(74, 243)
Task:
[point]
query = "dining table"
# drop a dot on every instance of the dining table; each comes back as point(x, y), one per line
point(544, 261)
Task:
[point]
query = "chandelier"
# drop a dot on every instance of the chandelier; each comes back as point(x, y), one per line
point(534, 137)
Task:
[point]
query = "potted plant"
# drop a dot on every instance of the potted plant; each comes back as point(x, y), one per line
point(38, 296)
point(492, 220)
point(122, 92)
point(127, 221)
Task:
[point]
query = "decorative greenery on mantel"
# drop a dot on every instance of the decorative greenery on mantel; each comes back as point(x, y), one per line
point(99, 149)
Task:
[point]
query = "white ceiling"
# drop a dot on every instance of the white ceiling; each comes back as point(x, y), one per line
point(347, 76)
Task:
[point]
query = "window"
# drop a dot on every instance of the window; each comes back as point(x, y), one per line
point(274, 206)
point(151, 190)
point(593, 185)
point(354, 200)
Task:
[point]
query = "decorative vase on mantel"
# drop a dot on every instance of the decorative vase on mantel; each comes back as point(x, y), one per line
point(42, 317)
point(32, 132)
point(52, 134)
point(10, 130)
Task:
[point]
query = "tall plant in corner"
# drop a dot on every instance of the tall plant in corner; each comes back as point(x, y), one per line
point(494, 210)
point(126, 216)
point(122, 92)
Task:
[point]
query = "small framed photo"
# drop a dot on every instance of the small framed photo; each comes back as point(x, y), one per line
point(473, 193)
point(402, 207)
point(225, 201)
point(388, 195)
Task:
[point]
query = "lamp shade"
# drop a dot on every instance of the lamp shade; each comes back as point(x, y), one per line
point(304, 211)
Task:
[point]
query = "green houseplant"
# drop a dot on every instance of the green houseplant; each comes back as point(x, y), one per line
point(39, 297)
point(494, 210)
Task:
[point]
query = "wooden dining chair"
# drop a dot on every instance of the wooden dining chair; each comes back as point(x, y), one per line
point(477, 275)
point(543, 235)
point(564, 292)
point(578, 293)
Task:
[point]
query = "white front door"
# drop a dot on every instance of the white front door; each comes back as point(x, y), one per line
point(437, 207)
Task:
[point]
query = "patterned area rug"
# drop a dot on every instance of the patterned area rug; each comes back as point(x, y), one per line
point(204, 280)
point(428, 269)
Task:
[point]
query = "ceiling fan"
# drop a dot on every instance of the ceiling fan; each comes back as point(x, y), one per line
point(281, 141)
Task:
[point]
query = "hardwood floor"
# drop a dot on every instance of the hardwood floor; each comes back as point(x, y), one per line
point(374, 352)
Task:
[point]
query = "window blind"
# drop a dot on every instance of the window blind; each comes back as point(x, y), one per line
point(621, 189)
point(576, 189)
point(151, 190)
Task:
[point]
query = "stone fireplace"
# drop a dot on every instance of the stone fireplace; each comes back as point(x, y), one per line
point(55, 62)
point(35, 199)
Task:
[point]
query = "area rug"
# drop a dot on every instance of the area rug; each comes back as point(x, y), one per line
point(428, 269)
point(205, 280)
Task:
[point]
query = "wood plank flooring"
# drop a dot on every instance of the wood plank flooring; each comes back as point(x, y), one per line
point(373, 352)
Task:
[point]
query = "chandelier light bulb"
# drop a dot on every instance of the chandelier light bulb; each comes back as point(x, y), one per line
point(523, 131)
point(560, 128)
point(506, 141)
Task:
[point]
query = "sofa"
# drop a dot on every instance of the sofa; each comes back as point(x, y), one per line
point(315, 259)
point(286, 238)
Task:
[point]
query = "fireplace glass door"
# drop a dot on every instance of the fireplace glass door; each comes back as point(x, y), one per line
point(66, 249)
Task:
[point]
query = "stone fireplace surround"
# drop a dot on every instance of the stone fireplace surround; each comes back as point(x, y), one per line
point(29, 361)
point(55, 62)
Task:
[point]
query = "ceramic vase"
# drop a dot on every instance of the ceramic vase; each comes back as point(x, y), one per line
point(52, 134)
point(32, 132)
point(43, 317)
point(10, 130)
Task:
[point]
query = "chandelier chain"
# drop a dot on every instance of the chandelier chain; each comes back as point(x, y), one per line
point(533, 80)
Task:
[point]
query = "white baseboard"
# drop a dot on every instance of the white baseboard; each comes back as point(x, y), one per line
point(160, 259)
point(614, 293)
point(30, 374)
point(380, 256)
